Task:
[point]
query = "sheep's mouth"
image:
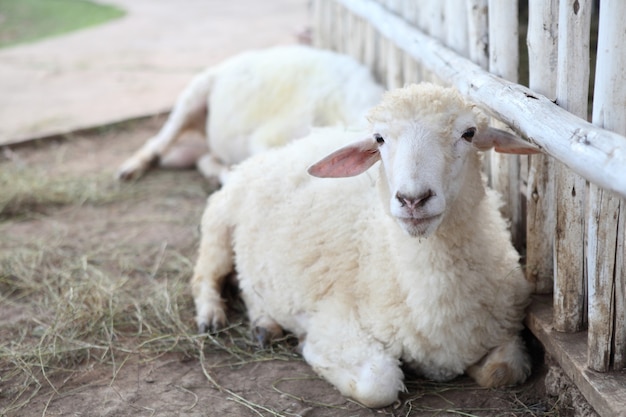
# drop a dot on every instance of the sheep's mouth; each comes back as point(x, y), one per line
point(419, 226)
point(418, 221)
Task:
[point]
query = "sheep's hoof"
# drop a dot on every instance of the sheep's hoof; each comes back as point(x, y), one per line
point(301, 343)
point(213, 325)
point(127, 173)
point(261, 336)
point(265, 335)
point(204, 328)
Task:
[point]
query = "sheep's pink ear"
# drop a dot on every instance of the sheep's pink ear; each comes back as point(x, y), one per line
point(502, 142)
point(348, 161)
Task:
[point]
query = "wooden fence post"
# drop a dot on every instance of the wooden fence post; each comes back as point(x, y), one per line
point(542, 65)
point(504, 62)
point(342, 36)
point(319, 30)
point(435, 26)
point(478, 49)
point(569, 243)
point(370, 54)
point(478, 32)
point(410, 69)
point(606, 247)
point(456, 26)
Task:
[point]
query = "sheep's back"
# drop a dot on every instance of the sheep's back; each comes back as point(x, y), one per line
point(266, 98)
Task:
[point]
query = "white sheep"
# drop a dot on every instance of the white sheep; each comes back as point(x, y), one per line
point(257, 100)
point(428, 279)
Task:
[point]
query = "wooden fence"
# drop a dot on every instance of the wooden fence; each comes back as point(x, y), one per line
point(567, 207)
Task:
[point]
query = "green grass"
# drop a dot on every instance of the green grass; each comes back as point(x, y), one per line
point(23, 21)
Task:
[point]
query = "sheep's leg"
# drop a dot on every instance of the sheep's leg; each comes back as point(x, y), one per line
point(507, 364)
point(264, 329)
point(355, 364)
point(185, 155)
point(189, 113)
point(215, 262)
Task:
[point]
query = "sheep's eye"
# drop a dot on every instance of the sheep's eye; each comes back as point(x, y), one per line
point(379, 138)
point(468, 135)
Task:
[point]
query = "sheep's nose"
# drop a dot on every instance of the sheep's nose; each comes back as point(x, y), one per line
point(414, 201)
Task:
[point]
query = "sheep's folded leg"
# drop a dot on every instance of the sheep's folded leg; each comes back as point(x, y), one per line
point(358, 367)
point(507, 364)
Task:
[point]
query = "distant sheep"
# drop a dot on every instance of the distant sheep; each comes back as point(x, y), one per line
point(258, 100)
point(409, 263)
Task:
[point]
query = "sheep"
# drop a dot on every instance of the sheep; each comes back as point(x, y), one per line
point(429, 280)
point(257, 100)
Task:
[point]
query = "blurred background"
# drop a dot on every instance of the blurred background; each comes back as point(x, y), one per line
point(72, 64)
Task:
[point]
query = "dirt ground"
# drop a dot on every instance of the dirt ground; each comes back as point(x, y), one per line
point(214, 382)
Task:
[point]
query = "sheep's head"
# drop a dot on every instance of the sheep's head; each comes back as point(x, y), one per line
point(426, 137)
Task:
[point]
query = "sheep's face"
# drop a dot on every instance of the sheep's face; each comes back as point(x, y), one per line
point(425, 163)
point(427, 137)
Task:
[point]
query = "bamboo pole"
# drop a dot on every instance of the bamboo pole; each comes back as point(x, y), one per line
point(595, 153)
point(542, 65)
point(606, 249)
point(569, 299)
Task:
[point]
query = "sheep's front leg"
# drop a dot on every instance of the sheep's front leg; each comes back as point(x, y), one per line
point(507, 364)
point(358, 366)
point(215, 262)
point(210, 307)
